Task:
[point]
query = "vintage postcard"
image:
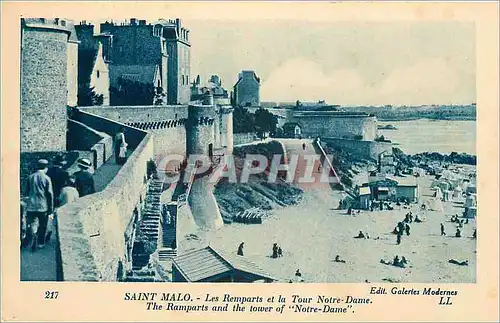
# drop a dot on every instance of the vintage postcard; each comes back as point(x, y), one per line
point(254, 161)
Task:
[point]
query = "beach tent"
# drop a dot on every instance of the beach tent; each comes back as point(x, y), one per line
point(470, 201)
point(446, 195)
point(457, 192)
point(435, 183)
point(471, 189)
point(444, 184)
point(434, 204)
point(470, 212)
point(438, 193)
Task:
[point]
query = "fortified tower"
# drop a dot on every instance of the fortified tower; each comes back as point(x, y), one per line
point(200, 140)
point(44, 84)
point(226, 128)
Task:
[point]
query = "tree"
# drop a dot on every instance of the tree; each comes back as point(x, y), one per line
point(243, 121)
point(88, 97)
point(132, 93)
point(265, 121)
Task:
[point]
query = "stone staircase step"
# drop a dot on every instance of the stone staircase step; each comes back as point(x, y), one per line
point(150, 222)
point(151, 226)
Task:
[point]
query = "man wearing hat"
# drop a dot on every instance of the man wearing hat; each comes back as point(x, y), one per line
point(40, 203)
point(58, 176)
point(84, 181)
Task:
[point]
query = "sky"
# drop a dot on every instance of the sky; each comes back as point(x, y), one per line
point(346, 63)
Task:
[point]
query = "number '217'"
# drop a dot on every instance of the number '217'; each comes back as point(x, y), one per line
point(51, 294)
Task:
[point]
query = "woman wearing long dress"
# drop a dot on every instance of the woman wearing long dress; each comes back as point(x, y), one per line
point(120, 145)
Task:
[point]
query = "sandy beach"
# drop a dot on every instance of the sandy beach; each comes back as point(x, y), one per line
point(313, 232)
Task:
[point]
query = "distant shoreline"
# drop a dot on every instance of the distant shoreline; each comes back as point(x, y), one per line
point(426, 118)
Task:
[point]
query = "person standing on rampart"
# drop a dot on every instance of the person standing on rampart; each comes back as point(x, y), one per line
point(84, 180)
point(40, 204)
point(119, 144)
point(58, 176)
point(69, 193)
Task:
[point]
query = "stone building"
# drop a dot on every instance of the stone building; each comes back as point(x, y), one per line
point(247, 90)
point(161, 48)
point(223, 124)
point(48, 72)
point(137, 47)
point(179, 62)
point(73, 44)
point(200, 140)
point(93, 66)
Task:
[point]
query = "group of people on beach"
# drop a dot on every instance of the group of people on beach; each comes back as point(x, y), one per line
point(396, 262)
point(277, 251)
point(404, 227)
point(460, 225)
point(47, 189)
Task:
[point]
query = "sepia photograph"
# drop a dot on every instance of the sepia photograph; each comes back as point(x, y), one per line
point(177, 150)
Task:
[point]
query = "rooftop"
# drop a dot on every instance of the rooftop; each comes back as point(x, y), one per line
point(45, 23)
point(204, 263)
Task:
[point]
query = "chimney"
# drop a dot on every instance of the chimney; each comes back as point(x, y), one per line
point(142, 22)
point(178, 24)
point(133, 21)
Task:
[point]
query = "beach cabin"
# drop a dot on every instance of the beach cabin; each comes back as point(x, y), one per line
point(407, 188)
point(210, 266)
point(292, 130)
point(393, 188)
point(365, 195)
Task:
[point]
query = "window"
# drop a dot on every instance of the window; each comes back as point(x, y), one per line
point(98, 74)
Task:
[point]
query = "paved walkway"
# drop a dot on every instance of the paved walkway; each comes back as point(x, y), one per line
point(40, 265)
point(294, 147)
point(105, 174)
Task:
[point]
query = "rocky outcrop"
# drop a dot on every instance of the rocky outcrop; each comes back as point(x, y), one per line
point(428, 157)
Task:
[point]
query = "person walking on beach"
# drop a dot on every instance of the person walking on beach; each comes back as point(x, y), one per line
point(443, 233)
point(240, 249)
point(474, 235)
point(458, 234)
point(398, 238)
point(407, 229)
point(40, 204)
point(303, 146)
point(275, 250)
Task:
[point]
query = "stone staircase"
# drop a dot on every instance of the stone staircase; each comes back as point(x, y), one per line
point(168, 249)
point(141, 276)
point(150, 221)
